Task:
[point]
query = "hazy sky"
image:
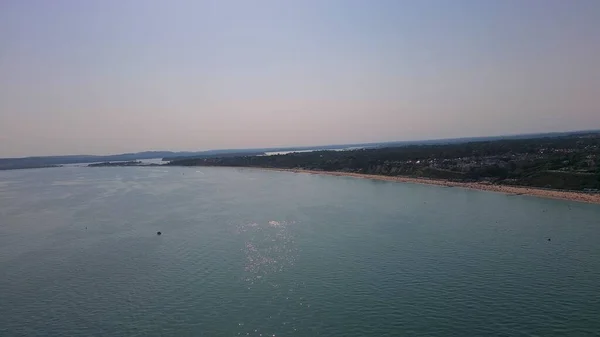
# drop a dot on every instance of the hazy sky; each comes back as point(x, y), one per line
point(113, 76)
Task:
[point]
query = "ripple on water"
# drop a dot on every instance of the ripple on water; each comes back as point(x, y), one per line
point(268, 248)
point(270, 252)
point(364, 259)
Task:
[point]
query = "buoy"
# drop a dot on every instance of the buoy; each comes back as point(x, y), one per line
point(158, 233)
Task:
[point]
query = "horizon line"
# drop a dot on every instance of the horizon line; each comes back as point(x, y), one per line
point(312, 146)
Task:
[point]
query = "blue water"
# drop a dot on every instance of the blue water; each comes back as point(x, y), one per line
point(246, 252)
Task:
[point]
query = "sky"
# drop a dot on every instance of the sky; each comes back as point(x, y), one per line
point(114, 76)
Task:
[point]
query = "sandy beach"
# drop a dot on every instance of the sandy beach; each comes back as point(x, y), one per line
point(516, 190)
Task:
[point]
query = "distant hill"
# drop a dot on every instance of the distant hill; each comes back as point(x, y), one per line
point(51, 161)
point(34, 162)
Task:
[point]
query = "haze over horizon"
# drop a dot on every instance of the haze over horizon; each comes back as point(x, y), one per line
point(126, 76)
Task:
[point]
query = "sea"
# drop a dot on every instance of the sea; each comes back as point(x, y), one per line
point(248, 252)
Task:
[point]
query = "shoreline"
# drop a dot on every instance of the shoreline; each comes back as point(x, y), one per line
point(593, 198)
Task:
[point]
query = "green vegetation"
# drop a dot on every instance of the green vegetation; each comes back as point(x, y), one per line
point(567, 162)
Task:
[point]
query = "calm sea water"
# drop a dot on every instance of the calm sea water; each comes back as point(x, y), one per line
point(254, 253)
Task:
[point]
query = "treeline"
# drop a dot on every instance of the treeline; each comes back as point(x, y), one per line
point(108, 163)
point(215, 155)
point(571, 162)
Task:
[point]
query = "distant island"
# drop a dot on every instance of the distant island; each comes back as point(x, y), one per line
point(121, 163)
point(564, 162)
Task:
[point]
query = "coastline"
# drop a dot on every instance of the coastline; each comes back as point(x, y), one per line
point(593, 198)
